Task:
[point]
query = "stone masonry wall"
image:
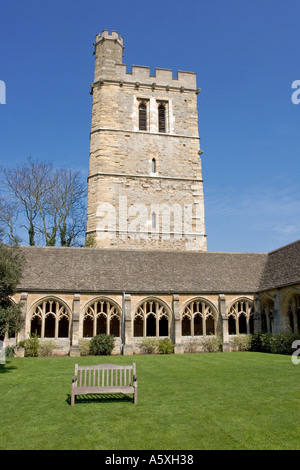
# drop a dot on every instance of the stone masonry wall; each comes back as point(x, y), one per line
point(121, 156)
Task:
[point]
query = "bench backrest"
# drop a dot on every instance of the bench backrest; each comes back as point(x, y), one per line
point(105, 375)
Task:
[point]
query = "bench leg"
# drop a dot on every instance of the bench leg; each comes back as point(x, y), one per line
point(135, 396)
point(72, 399)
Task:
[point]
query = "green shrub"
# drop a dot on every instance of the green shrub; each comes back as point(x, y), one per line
point(191, 345)
point(261, 342)
point(31, 346)
point(256, 342)
point(9, 351)
point(241, 342)
point(211, 343)
point(102, 345)
point(280, 343)
point(46, 348)
point(84, 346)
point(165, 346)
point(149, 345)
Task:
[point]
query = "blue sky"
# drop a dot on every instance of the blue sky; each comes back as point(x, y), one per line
point(246, 58)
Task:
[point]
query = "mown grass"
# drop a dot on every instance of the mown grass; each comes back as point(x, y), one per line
point(185, 402)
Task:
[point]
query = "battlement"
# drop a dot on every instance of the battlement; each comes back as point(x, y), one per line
point(113, 36)
point(109, 65)
point(163, 77)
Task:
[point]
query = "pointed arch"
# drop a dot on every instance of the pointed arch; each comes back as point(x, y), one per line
point(152, 317)
point(162, 118)
point(143, 116)
point(198, 318)
point(240, 316)
point(50, 317)
point(101, 315)
point(291, 309)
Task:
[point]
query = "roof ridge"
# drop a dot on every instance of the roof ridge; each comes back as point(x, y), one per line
point(284, 246)
point(143, 251)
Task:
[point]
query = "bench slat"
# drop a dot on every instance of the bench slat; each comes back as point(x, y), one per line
point(91, 390)
point(105, 366)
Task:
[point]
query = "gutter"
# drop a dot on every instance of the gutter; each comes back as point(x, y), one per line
point(123, 325)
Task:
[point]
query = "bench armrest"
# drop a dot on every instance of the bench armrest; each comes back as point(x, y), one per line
point(135, 378)
point(74, 379)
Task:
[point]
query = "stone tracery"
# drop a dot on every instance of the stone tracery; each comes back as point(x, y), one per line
point(198, 319)
point(51, 319)
point(102, 316)
point(151, 318)
point(240, 317)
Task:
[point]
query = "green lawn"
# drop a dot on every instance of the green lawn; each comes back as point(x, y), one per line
point(185, 402)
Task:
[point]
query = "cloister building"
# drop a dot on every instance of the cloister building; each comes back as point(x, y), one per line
point(73, 293)
point(149, 273)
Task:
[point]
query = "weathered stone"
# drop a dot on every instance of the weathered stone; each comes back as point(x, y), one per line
point(122, 155)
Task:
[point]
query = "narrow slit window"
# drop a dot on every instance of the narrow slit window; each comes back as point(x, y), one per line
point(142, 117)
point(153, 220)
point(153, 165)
point(161, 117)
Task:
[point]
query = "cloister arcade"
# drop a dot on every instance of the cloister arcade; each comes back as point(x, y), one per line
point(195, 317)
point(51, 318)
point(131, 318)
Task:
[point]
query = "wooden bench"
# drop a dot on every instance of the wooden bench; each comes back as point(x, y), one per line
point(104, 378)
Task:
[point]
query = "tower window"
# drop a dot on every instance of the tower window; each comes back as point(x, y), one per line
point(162, 117)
point(142, 117)
point(153, 165)
point(153, 220)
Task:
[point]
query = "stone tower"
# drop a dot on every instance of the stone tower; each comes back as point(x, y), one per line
point(145, 178)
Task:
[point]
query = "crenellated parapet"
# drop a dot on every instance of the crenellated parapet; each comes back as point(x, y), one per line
point(105, 35)
point(110, 69)
point(141, 76)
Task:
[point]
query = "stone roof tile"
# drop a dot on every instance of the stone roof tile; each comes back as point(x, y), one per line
point(282, 267)
point(113, 270)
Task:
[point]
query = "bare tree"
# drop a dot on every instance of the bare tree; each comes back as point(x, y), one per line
point(48, 203)
point(8, 219)
point(66, 206)
point(26, 186)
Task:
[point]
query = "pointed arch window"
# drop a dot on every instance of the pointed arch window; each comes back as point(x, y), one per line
point(153, 220)
point(294, 313)
point(240, 317)
point(51, 319)
point(153, 165)
point(142, 116)
point(162, 117)
point(198, 319)
point(102, 317)
point(151, 319)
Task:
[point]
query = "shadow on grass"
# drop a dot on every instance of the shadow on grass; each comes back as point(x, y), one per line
point(4, 368)
point(103, 398)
